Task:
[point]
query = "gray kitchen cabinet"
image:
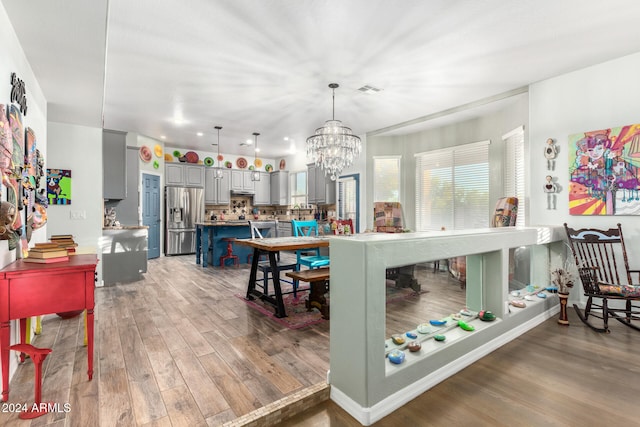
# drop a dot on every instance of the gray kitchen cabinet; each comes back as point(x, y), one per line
point(241, 181)
point(217, 191)
point(279, 188)
point(262, 195)
point(184, 175)
point(114, 163)
point(321, 190)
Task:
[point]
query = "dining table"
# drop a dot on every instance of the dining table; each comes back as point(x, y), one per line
point(270, 247)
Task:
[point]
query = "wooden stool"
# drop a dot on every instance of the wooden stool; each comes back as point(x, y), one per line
point(37, 355)
point(229, 254)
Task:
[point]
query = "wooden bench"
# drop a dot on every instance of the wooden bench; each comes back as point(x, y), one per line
point(318, 279)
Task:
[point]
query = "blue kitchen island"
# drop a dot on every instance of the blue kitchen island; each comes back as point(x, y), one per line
point(210, 243)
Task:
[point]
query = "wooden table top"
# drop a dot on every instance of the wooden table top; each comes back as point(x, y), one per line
point(313, 275)
point(285, 243)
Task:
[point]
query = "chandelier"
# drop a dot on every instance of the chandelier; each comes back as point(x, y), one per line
point(255, 175)
point(217, 173)
point(333, 147)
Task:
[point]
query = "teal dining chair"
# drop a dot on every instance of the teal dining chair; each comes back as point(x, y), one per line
point(308, 257)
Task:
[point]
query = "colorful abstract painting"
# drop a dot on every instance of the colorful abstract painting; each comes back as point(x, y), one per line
point(59, 186)
point(603, 171)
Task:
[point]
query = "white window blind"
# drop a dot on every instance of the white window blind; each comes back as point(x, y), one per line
point(386, 179)
point(514, 169)
point(452, 188)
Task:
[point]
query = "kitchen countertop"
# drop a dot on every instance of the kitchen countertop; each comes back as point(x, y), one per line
point(232, 223)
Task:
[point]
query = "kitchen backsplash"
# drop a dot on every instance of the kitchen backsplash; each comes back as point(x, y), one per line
point(241, 208)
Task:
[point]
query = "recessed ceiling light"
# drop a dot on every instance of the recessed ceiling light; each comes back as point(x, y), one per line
point(199, 134)
point(249, 142)
point(286, 138)
point(163, 137)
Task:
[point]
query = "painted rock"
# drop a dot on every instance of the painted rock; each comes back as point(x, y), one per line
point(437, 322)
point(465, 312)
point(439, 337)
point(486, 315)
point(528, 298)
point(515, 293)
point(396, 356)
point(411, 335)
point(465, 326)
point(542, 295)
point(553, 289)
point(414, 346)
point(397, 339)
point(518, 303)
point(424, 328)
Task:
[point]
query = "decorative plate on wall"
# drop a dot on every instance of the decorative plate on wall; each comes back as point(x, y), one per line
point(268, 168)
point(145, 154)
point(228, 164)
point(168, 157)
point(257, 162)
point(283, 164)
point(241, 162)
point(208, 161)
point(220, 157)
point(158, 150)
point(192, 157)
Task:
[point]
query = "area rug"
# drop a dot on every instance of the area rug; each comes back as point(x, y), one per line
point(297, 314)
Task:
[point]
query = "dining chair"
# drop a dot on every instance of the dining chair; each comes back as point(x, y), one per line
point(308, 257)
point(266, 229)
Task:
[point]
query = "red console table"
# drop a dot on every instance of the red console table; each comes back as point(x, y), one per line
point(29, 289)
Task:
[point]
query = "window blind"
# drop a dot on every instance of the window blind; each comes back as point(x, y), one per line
point(514, 170)
point(452, 188)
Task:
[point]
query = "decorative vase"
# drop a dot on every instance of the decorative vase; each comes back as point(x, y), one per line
point(563, 320)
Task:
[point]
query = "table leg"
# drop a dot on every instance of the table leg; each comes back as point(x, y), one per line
point(4, 356)
point(90, 343)
point(24, 334)
point(251, 286)
point(275, 274)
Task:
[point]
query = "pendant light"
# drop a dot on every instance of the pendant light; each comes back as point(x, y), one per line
point(217, 173)
point(255, 175)
point(333, 147)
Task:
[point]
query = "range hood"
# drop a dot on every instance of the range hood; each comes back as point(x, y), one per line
point(243, 192)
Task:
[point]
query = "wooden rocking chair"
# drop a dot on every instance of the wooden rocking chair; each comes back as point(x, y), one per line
point(607, 281)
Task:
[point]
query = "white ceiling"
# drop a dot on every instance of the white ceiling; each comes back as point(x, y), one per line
point(175, 68)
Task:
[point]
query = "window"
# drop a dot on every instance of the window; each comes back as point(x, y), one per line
point(514, 169)
point(298, 188)
point(452, 188)
point(386, 179)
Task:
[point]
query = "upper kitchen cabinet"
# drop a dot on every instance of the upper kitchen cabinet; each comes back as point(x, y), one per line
point(241, 181)
point(320, 189)
point(184, 175)
point(279, 188)
point(262, 194)
point(217, 191)
point(114, 164)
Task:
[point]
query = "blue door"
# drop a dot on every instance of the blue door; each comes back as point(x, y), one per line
point(151, 212)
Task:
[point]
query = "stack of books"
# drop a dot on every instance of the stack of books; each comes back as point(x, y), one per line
point(65, 241)
point(45, 253)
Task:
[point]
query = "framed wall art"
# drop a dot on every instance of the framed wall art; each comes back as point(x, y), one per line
point(59, 186)
point(603, 171)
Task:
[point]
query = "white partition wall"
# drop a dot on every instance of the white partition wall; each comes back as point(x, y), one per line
point(363, 381)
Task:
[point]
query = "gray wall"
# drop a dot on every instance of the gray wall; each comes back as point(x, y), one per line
point(489, 127)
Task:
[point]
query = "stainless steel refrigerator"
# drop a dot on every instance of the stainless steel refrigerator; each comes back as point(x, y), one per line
point(183, 208)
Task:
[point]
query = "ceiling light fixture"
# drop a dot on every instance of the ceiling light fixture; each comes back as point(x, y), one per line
point(255, 174)
point(333, 147)
point(217, 173)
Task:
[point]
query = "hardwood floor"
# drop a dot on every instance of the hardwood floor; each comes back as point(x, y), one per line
point(179, 349)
